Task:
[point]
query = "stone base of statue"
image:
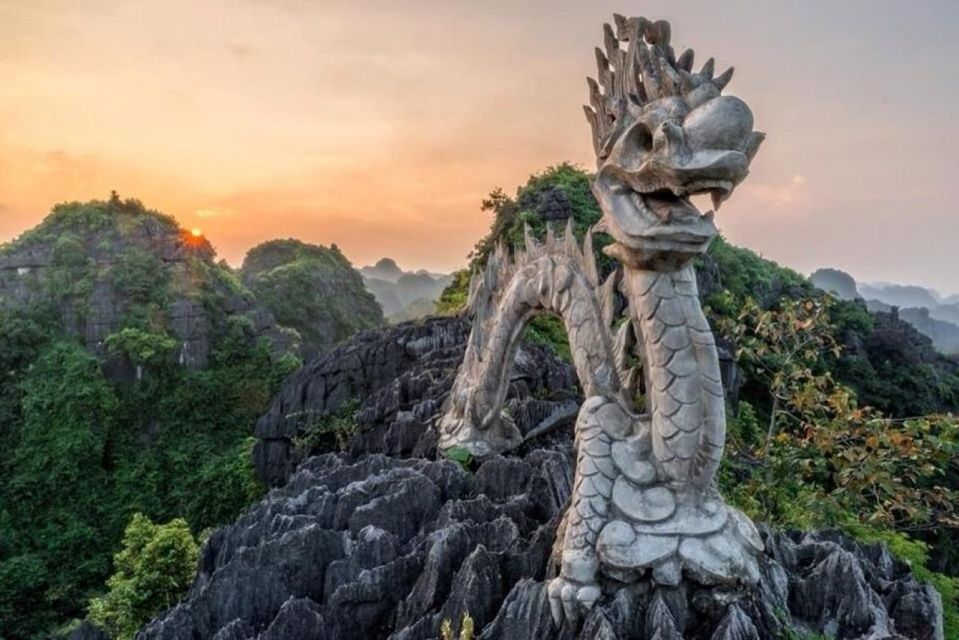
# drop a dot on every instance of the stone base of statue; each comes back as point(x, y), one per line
point(629, 522)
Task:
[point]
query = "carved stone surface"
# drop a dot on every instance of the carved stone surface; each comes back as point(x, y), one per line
point(644, 501)
point(556, 276)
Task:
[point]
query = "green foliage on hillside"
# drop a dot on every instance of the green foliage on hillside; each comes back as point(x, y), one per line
point(825, 460)
point(326, 433)
point(81, 454)
point(742, 274)
point(884, 373)
point(559, 193)
point(153, 570)
point(51, 494)
point(311, 289)
point(141, 347)
point(456, 295)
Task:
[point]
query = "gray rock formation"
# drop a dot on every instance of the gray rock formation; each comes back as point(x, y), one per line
point(377, 547)
point(366, 545)
point(88, 631)
point(836, 282)
point(398, 379)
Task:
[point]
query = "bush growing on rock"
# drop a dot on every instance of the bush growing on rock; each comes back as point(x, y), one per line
point(153, 570)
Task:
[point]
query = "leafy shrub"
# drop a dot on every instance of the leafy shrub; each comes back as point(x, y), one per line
point(139, 276)
point(461, 456)
point(831, 462)
point(549, 331)
point(454, 297)
point(141, 347)
point(327, 433)
point(153, 571)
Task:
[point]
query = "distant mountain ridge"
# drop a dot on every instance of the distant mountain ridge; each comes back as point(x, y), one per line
point(932, 314)
point(404, 295)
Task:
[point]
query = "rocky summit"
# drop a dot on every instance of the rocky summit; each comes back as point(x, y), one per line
point(106, 265)
point(387, 542)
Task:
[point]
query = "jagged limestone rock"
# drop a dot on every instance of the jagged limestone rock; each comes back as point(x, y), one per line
point(337, 553)
point(644, 500)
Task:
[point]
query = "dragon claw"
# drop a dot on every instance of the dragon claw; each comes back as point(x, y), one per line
point(569, 600)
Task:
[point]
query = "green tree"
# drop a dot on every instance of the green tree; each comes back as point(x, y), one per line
point(141, 347)
point(784, 347)
point(153, 571)
point(822, 447)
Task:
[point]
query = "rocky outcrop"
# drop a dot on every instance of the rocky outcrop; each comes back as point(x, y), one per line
point(396, 381)
point(88, 631)
point(836, 282)
point(384, 542)
point(378, 547)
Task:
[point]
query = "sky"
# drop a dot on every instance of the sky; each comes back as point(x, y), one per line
point(381, 125)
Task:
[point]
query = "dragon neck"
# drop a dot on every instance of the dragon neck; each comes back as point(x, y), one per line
point(552, 283)
point(681, 367)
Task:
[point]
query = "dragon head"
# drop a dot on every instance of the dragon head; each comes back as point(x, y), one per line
point(662, 133)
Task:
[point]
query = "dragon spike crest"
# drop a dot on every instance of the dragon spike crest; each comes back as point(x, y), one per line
point(639, 67)
point(662, 134)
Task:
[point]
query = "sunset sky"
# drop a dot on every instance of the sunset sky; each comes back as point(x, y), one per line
point(380, 125)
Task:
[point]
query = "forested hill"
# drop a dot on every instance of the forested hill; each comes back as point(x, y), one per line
point(312, 289)
point(121, 279)
point(133, 366)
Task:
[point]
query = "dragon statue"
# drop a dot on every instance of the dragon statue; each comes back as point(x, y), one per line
point(645, 503)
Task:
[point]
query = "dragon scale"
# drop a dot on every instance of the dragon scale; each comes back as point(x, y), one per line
point(683, 384)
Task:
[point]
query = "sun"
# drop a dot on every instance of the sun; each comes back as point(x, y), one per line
point(193, 238)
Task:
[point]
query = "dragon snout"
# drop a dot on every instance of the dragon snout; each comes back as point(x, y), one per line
point(722, 124)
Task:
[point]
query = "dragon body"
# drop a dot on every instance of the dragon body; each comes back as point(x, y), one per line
point(645, 504)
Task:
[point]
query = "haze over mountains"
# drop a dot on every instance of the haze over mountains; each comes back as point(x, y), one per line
point(403, 295)
point(933, 314)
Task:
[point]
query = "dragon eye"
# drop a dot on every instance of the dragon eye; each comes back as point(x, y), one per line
point(640, 136)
